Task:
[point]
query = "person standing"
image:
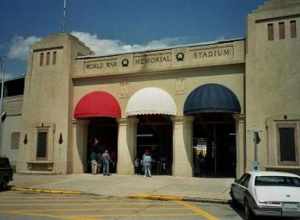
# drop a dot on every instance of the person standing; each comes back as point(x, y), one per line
point(147, 160)
point(94, 164)
point(106, 160)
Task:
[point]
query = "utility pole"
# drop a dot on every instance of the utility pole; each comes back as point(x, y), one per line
point(2, 72)
point(65, 17)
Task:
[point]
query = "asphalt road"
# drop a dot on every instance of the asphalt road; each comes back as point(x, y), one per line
point(18, 205)
point(36, 206)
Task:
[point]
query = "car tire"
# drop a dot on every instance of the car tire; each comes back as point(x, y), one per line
point(248, 212)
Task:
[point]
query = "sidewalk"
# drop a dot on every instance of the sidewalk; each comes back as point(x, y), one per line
point(156, 187)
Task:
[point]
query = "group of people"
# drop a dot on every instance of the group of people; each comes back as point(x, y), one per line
point(100, 158)
point(99, 161)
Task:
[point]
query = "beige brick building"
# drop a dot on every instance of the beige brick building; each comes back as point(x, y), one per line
point(196, 108)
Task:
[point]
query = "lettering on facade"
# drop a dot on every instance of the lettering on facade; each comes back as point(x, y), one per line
point(207, 53)
point(153, 59)
point(199, 55)
point(102, 64)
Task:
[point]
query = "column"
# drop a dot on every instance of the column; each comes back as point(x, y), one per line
point(240, 144)
point(126, 145)
point(182, 146)
point(79, 146)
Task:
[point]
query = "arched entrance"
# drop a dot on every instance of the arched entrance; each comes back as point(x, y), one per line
point(100, 111)
point(105, 131)
point(153, 108)
point(154, 134)
point(214, 130)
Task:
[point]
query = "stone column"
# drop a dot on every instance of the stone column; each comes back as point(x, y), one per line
point(182, 146)
point(79, 146)
point(240, 144)
point(126, 145)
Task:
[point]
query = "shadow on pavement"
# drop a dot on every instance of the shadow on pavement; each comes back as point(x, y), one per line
point(239, 209)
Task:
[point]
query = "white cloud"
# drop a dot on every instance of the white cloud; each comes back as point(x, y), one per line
point(9, 76)
point(20, 47)
point(109, 46)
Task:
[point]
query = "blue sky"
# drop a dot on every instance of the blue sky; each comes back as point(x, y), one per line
point(110, 26)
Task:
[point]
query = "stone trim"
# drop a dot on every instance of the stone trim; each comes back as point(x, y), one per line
point(48, 48)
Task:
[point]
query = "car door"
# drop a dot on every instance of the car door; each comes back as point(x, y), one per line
point(240, 188)
point(235, 187)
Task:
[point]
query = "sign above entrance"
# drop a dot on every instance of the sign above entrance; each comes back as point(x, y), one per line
point(223, 53)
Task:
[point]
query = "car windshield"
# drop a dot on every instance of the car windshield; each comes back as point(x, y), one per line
point(277, 181)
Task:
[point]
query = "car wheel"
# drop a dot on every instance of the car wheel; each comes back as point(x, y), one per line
point(248, 212)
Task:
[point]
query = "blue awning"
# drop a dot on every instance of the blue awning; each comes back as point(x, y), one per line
point(211, 98)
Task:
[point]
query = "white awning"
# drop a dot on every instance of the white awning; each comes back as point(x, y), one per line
point(151, 101)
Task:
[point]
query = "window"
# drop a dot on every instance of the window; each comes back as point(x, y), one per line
point(245, 181)
point(14, 141)
point(270, 32)
point(277, 181)
point(41, 152)
point(54, 58)
point(287, 143)
point(293, 29)
point(48, 58)
point(281, 30)
point(41, 59)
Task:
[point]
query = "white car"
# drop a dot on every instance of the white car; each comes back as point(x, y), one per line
point(266, 193)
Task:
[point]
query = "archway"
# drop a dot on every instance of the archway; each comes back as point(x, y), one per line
point(100, 110)
point(214, 130)
point(153, 107)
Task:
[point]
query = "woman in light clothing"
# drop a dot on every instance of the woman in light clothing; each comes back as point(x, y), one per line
point(147, 160)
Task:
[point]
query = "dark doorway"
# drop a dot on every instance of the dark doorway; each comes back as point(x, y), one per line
point(105, 130)
point(155, 134)
point(214, 145)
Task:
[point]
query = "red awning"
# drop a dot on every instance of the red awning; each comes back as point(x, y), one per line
point(97, 104)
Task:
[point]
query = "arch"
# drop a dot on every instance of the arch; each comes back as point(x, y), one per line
point(151, 100)
point(211, 98)
point(97, 104)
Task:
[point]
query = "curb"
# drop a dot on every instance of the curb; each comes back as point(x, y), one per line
point(52, 191)
point(178, 198)
point(135, 196)
point(156, 197)
point(206, 200)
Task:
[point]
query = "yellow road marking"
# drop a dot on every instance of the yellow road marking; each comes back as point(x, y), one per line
point(72, 201)
point(90, 217)
point(82, 218)
point(54, 203)
point(93, 209)
point(140, 215)
point(55, 191)
point(197, 210)
point(36, 215)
